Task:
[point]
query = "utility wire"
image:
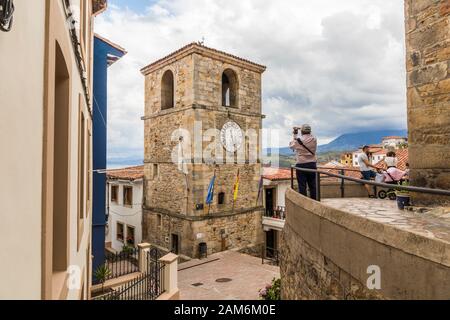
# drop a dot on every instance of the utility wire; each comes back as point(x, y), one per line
point(99, 111)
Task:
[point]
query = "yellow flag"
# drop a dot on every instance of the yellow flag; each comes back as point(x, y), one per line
point(236, 187)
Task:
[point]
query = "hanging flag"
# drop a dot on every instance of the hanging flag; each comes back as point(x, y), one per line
point(260, 187)
point(236, 187)
point(210, 197)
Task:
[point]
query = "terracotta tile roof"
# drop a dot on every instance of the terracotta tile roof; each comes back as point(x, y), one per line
point(351, 171)
point(281, 174)
point(372, 149)
point(403, 159)
point(131, 173)
point(276, 174)
point(196, 47)
point(380, 153)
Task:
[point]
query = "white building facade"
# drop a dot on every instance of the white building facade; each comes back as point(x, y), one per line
point(394, 142)
point(275, 184)
point(124, 208)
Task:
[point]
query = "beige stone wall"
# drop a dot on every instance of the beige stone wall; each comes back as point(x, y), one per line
point(176, 195)
point(27, 101)
point(428, 63)
point(333, 190)
point(238, 231)
point(325, 254)
point(21, 124)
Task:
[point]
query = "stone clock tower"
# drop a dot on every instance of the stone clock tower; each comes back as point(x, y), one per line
point(202, 119)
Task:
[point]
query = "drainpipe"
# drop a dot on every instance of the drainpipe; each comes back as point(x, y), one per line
point(107, 202)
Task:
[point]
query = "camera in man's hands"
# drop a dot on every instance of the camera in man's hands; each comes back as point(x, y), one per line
point(296, 130)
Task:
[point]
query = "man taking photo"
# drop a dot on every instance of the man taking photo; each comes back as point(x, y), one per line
point(365, 165)
point(305, 147)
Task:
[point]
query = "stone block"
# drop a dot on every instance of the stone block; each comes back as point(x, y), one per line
point(429, 156)
point(428, 74)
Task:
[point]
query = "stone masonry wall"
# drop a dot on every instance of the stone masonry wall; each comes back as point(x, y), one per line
point(176, 198)
point(236, 231)
point(184, 96)
point(161, 188)
point(428, 64)
point(208, 84)
point(326, 253)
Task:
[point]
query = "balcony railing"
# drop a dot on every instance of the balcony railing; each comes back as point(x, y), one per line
point(277, 213)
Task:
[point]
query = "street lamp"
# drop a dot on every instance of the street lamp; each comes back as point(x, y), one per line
point(6, 15)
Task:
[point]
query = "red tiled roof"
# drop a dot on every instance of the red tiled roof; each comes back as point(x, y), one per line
point(380, 153)
point(402, 157)
point(276, 174)
point(131, 173)
point(197, 46)
point(372, 149)
point(281, 174)
point(350, 171)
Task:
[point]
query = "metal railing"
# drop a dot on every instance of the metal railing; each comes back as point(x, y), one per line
point(320, 171)
point(277, 213)
point(148, 286)
point(270, 254)
point(122, 263)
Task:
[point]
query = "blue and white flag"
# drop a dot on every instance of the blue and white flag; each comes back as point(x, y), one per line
point(210, 197)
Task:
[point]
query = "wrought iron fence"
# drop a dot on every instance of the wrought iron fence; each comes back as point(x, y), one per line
point(271, 255)
point(122, 263)
point(148, 286)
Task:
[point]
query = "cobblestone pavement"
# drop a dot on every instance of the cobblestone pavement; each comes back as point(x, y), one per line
point(432, 223)
point(247, 274)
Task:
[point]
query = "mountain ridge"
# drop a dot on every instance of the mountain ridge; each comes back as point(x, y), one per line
point(351, 141)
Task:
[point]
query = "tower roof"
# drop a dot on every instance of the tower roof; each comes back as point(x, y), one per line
point(198, 48)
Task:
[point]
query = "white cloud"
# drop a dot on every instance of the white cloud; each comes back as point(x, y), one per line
point(336, 64)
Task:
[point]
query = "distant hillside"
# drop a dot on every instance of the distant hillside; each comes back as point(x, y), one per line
point(352, 141)
point(124, 162)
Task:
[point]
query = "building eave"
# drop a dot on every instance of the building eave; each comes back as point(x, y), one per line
point(99, 6)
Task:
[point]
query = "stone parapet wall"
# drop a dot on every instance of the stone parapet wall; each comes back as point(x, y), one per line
point(428, 81)
point(326, 253)
point(333, 190)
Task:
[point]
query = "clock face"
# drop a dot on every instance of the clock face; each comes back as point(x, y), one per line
point(231, 136)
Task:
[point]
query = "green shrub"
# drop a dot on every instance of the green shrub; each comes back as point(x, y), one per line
point(271, 291)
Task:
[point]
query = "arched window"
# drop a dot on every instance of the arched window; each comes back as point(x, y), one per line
point(167, 91)
point(229, 89)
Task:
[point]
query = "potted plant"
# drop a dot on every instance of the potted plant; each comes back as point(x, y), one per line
point(271, 291)
point(127, 249)
point(403, 197)
point(101, 275)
